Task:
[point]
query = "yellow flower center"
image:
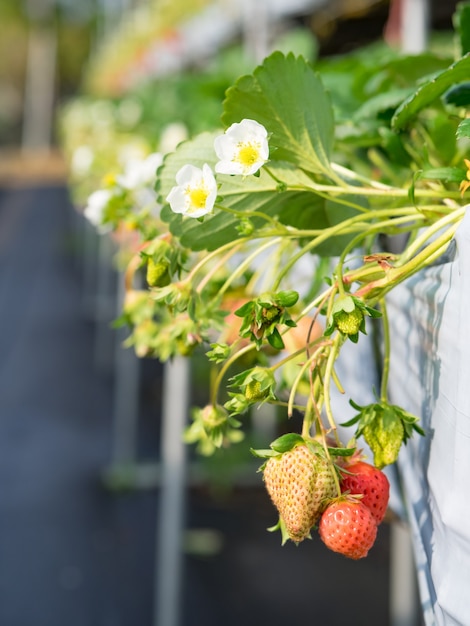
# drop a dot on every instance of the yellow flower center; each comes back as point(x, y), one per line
point(198, 197)
point(248, 154)
point(109, 180)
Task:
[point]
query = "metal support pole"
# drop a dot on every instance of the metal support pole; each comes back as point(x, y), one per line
point(104, 304)
point(414, 25)
point(125, 396)
point(255, 25)
point(404, 596)
point(168, 575)
point(39, 88)
point(403, 583)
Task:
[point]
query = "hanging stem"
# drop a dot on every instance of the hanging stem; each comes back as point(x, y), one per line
point(234, 245)
point(247, 262)
point(386, 357)
point(451, 218)
point(215, 269)
point(353, 224)
point(223, 370)
point(298, 378)
point(247, 214)
point(327, 383)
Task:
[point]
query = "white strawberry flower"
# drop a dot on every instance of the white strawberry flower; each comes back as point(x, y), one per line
point(140, 172)
point(195, 193)
point(242, 149)
point(96, 206)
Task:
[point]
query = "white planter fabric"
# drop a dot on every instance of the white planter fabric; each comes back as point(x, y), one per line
point(430, 377)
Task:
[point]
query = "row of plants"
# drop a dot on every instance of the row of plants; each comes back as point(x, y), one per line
point(316, 167)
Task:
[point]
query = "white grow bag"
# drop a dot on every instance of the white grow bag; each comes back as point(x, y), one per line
point(430, 377)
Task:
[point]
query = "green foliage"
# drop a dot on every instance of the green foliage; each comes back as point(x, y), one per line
point(463, 129)
point(430, 91)
point(287, 264)
point(276, 95)
point(462, 26)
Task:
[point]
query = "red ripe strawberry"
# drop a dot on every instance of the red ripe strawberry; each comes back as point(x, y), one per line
point(363, 478)
point(300, 483)
point(348, 527)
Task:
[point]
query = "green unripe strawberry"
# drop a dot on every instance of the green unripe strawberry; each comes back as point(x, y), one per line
point(253, 391)
point(213, 416)
point(158, 274)
point(300, 483)
point(256, 384)
point(349, 323)
point(271, 313)
point(384, 441)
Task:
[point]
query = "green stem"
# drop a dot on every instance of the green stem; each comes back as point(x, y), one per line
point(376, 228)
point(298, 378)
point(347, 173)
point(247, 262)
point(221, 263)
point(418, 243)
point(248, 214)
point(392, 192)
point(225, 367)
point(386, 357)
point(396, 275)
point(342, 228)
point(327, 382)
point(238, 243)
point(307, 421)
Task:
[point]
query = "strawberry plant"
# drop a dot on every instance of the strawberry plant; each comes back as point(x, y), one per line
point(289, 210)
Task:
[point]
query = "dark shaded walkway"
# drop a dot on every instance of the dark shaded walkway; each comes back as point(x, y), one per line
point(70, 553)
point(74, 554)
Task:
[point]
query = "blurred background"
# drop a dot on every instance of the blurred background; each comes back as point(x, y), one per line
point(94, 531)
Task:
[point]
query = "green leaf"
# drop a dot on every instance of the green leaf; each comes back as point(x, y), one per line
point(287, 97)
point(286, 442)
point(263, 454)
point(286, 298)
point(461, 20)
point(275, 340)
point(382, 103)
point(244, 309)
point(446, 174)
point(308, 211)
point(282, 527)
point(463, 130)
point(458, 96)
point(427, 93)
point(408, 70)
point(342, 451)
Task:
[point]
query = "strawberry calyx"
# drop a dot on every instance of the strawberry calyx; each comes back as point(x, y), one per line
point(285, 536)
point(384, 427)
point(256, 384)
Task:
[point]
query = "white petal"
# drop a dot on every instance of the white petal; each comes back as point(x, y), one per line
point(188, 174)
point(208, 177)
point(150, 166)
point(177, 200)
point(225, 147)
point(247, 130)
point(230, 167)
